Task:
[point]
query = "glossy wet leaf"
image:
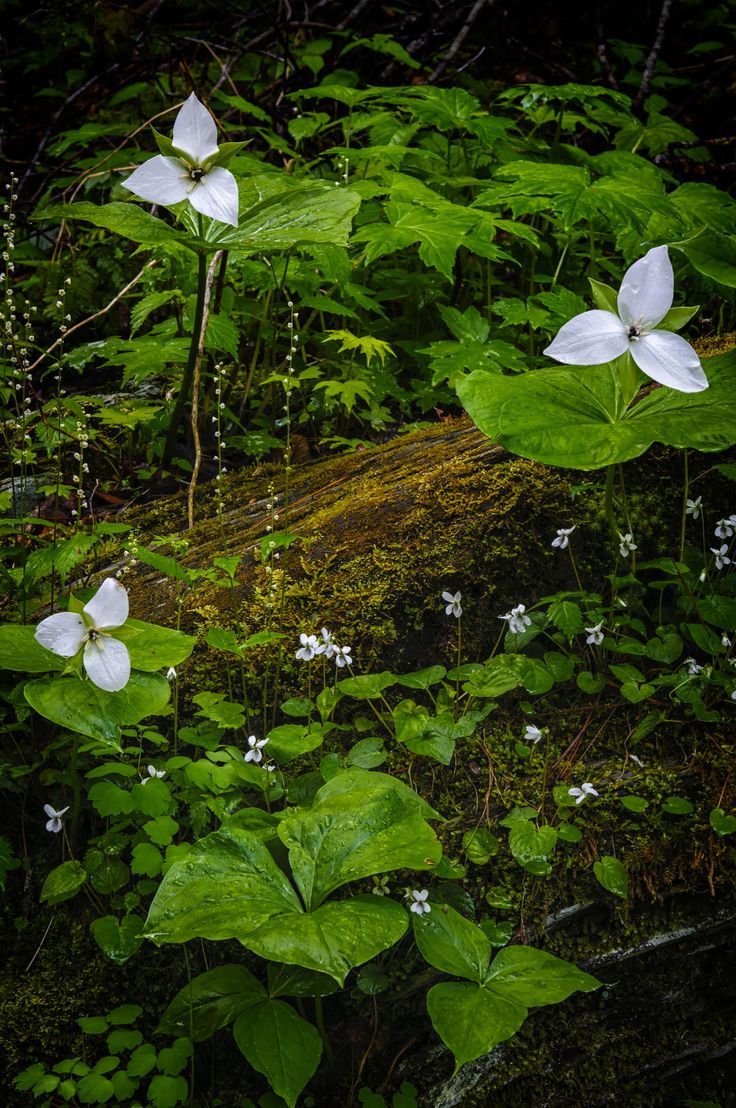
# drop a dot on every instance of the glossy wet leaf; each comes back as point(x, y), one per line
point(213, 1000)
point(19, 651)
point(534, 978)
point(83, 707)
point(118, 939)
point(63, 882)
point(279, 1044)
point(451, 943)
point(612, 875)
point(472, 1020)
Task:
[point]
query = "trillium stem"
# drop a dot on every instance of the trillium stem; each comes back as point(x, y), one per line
point(685, 494)
point(319, 1017)
point(186, 382)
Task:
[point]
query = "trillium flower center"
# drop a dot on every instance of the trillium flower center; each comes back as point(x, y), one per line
point(196, 173)
point(634, 332)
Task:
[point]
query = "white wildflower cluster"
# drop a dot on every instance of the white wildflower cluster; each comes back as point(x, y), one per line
point(221, 381)
point(254, 753)
point(517, 619)
point(312, 646)
point(81, 504)
point(725, 529)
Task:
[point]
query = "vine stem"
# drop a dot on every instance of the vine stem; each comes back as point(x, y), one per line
point(204, 316)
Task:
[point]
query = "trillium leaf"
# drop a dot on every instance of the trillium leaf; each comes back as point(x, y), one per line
point(472, 1020)
point(534, 978)
point(574, 417)
point(713, 255)
point(127, 219)
point(334, 938)
point(294, 216)
point(152, 647)
point(19, 651)
point(212, 1000)
point(83, 707)
point(451, 943)
point(281, 1045)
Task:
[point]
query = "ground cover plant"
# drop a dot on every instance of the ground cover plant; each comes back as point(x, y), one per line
point(321, 841)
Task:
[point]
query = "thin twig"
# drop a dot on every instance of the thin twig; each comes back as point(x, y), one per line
point(602, 50)
point(460, 37)
point(651, 61)
point(90, 318)
point(196, 386)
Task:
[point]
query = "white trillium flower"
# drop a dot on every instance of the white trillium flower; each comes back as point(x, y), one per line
point(532, 734)
point(517, 620)
point(724, 528)
point(626, 544)
point(586, 789)
point(644, 299)
point(152, 773)
point(329, 643)
point(693, 507)
point(343, 656)
point(419, 903)
point(595, 634)
point(106, 659)
point(310, 648)
point(255, 753)
point(54, 821)
point(191, 174)
point(721, 555)
point(563, 537)
point(454, 608)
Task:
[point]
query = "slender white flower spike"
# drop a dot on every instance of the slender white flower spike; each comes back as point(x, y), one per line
point(419, 899)
point(329, 643)
point(586, 789)
point(105, 658)
point(310, 648)
point(454, 608)
point(563, 537)
point(343, 656)
point(721, 555)
point(692, 667)
point(626, 544)
point(595, 634)
point(725, 528)
point(694, 506)
point(153, 773)
point(644, 299)
point(532, 734)
point(54, 821)
point(255, 753)
point(517, 620)
point(191, 173)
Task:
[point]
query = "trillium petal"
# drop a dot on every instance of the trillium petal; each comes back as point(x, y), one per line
point(63, 633)
point(216, 195)
point(590, 338)
point(195, 132)
point(107, 663)
point(108, 608)
point(160, 180)
point(648, 289)
point(670, 360)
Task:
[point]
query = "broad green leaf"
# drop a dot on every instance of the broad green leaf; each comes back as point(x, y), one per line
point(472, 1020)
point(19, 651)
point(291, 740)
point(677, 806)
point(166, 1091)
point(531, 847)
point(295, 981)
point(334, 938)
point(212, 1000)
point(127, 219)
point(281, 1045)
point(152, 647)
point(567, 616)
point(225, 888)
point(368, 781)
point(722, 823)
point(423, 678)
point(328, 846)
point(294, 216)
point(612, 875)
point(713, 255)
point(80, 706)
point(480, 845)
point(63, 882)
point(573, 417)
point(118, 939)
point(367, 686)
point(451, 943)
point(534, 978)
point(95, 1088)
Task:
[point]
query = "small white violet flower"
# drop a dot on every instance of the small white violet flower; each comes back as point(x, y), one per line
point(255, 753)
point(586, 789)
point(563, 537)
point(106, 659)
point(595, 634)
point(721, 555)
point(171, 674)
point(693, 507)
point(725, 641)
point(693, 668)
point(310, 648)
point(644, 299)
point(152, 773)
point(626, 544)
point(532, 734)
point(724, 529)
point(343, 656)
point(54, 821)
point(329, 643)
point(419, 899)
point(517, 620)
point(191, 173)
point(454, 608)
